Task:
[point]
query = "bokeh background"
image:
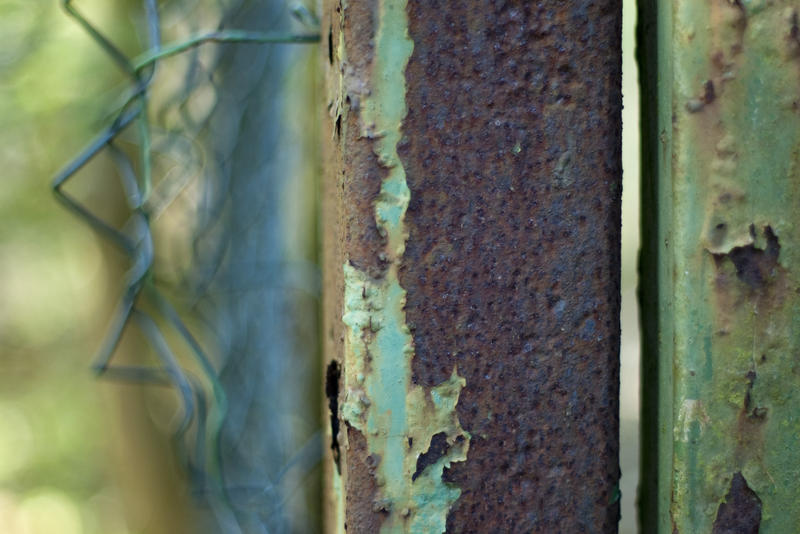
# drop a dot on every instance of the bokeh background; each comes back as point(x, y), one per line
point(82, 456)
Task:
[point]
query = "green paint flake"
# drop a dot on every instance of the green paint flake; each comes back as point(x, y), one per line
point(397, 418)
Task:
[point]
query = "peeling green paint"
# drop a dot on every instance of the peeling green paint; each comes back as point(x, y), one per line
point(398, 419)
point(729, 286)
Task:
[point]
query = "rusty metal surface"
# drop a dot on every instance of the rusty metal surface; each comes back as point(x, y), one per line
point(351, 183)
point(511, 152)
point(363, 512)
point(512, 156)
point(741, 511)
point(512, 261)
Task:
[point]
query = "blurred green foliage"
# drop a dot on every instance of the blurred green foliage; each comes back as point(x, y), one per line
point(59, 453)
point(81, 456)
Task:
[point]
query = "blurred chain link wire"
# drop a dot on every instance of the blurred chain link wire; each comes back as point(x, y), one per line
point(263, 295)
point(232, 219)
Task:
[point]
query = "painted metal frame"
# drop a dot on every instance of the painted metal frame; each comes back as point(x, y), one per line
point(721, 138)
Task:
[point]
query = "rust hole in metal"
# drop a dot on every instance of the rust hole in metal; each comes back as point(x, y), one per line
point(741, 511)
point(332, 376)
point(436, 450)
point(754, 266)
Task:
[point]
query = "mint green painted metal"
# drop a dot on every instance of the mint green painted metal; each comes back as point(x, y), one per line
point(398, 419)
point(721, 278)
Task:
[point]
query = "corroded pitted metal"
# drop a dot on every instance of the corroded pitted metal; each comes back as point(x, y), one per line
point(476, 205)
point(720, 298)
point(512, 153)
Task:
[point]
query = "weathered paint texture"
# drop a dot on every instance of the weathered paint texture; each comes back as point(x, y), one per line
point(472, 214)
point(398, 419)
point(721, 292)
point(391, 421)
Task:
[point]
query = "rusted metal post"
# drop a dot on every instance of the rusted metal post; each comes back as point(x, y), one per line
point(472, 226)
point(720, 274)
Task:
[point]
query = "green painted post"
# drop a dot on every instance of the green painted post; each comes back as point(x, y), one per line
point(720, 267)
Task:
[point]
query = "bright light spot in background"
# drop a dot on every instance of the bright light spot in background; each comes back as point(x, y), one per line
point(48, 512)
point(10, 521)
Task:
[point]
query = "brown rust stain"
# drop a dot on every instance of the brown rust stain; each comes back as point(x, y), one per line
point(361, 172)
point(361, 183)
point(731, 18)
point(757, 281)
point(741, 511)
point(350, 188)
point(364, 511)
point(512, 155)
point(748, 277)
point(360, 176)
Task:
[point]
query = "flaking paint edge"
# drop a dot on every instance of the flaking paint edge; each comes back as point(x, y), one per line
point(712, 367)
point(397, 418)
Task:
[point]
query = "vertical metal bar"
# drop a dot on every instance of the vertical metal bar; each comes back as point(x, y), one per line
point(472, 255)
point(720, 278)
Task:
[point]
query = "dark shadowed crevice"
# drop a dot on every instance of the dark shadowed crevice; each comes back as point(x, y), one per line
point(332, 377)
point(330, 46)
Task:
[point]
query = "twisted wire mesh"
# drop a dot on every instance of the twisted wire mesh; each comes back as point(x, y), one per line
point(266, 287)
point(217, 161)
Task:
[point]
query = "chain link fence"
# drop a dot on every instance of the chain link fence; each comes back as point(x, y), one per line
point(216, 156)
